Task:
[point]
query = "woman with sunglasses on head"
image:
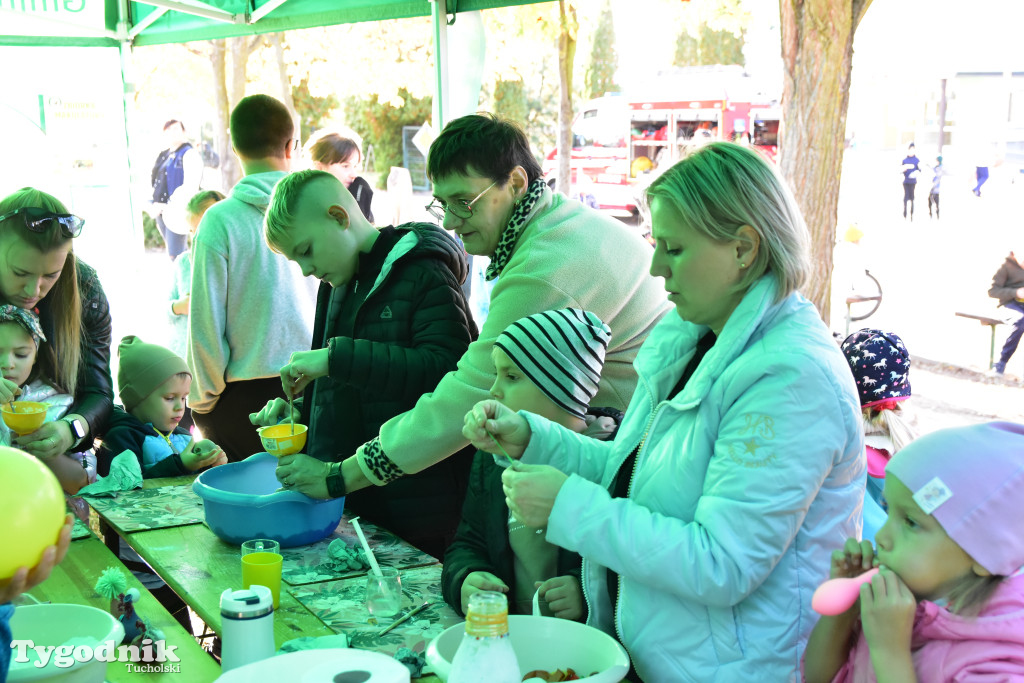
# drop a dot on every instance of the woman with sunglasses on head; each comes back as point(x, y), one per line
point(39, 272)
point(546, 252)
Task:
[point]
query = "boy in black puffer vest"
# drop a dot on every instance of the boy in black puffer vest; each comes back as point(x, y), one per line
point(550, 364)
point(391, 320)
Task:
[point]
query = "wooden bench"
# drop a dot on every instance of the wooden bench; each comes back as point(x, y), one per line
point(992, 322)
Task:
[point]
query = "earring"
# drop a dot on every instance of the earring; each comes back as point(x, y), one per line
point(743, 265)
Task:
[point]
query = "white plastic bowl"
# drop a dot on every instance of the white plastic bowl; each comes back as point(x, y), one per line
point(59, 625)
point(545, 643)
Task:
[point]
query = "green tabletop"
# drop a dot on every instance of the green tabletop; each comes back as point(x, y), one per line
point(72, 581)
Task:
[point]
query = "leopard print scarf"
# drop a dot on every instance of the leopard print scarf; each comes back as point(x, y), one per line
point(510, 235)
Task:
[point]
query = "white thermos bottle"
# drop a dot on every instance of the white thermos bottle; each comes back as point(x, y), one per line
point(247, 626)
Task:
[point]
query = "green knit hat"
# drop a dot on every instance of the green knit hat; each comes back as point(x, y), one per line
point(143, 368)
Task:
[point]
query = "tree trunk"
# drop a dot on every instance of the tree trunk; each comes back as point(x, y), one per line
point(817, 54)
point(228, 163)
point(568, 27)
point(942, 115)
point(277, 40)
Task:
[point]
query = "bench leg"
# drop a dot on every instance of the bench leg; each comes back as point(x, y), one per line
point(992, 348)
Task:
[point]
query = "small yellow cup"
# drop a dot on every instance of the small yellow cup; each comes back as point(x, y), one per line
point(23, 417)
point(263, 569)
point(279, 439)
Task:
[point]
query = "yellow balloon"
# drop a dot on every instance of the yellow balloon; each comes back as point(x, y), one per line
point(31, 510)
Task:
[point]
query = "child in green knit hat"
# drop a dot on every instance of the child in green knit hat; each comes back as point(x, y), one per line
point(153, 383)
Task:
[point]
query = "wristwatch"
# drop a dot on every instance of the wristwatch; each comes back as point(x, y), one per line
point(77, 429)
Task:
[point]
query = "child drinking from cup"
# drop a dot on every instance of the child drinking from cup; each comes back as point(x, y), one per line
point(548, 363)
point(948, 601)
point(153, 383)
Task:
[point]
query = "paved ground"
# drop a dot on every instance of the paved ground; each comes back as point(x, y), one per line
point(929, 270)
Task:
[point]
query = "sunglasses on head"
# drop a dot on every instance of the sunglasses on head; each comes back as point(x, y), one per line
point(40, 220)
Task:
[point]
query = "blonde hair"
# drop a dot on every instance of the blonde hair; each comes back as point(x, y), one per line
point(721, 187)
point(894, 423)
point(284, 200)
point(970, 593)
point(63, 299)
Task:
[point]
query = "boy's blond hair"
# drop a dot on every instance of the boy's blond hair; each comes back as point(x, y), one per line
point(284, 203)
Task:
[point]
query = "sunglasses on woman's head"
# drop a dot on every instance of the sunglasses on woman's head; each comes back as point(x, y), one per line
point(40, 220)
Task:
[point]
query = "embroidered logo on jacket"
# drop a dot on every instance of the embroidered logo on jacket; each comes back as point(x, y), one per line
point(386, 313)
point(753, 451)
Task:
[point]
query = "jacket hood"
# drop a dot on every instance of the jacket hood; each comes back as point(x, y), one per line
point(437, 243)
point(255, 189)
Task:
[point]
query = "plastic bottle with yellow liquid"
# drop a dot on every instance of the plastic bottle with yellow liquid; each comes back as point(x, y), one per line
point(485, 653)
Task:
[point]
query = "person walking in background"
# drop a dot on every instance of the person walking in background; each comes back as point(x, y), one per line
point(249, 307)
point(981, 176)
point(175, 177)
point(1008, 287)
point(933, 195)
point(343, 159)
point(911, 169)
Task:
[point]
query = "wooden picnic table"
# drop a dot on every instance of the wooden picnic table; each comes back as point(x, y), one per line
point(199, 566)
point(73, 581)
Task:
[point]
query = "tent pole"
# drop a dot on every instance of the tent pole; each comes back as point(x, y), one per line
point(127, 108)
point(439, 15)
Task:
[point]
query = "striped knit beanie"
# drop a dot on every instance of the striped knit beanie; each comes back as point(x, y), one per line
point(562, 352)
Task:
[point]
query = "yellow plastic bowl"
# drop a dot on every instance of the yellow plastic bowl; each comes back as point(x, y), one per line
point(27, 416)
point(279, 440)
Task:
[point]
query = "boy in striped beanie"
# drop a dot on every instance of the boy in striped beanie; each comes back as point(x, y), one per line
point(550, 364)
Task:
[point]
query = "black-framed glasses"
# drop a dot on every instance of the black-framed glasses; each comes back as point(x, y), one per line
point(460, 209)
point(40, 220)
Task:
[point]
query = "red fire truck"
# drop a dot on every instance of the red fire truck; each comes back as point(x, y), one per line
point(621, 142)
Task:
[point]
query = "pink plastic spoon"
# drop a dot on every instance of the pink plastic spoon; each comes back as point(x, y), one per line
point(835, 596)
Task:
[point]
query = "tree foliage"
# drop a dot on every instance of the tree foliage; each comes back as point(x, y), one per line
point(709, 46)
point(313, 110)
point(604, 60)
point(380, 123)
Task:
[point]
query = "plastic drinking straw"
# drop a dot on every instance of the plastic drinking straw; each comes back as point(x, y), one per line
point(291, 413)
point(366, 548)
point(511, 460)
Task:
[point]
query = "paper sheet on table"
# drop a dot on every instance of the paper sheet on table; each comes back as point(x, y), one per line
point(125, 475)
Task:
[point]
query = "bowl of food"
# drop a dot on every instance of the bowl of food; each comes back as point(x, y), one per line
point(244, 500)
point(23, 417)
point(283, 439)
point(545, 645)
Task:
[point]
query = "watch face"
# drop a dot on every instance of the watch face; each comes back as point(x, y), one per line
point(76, 428)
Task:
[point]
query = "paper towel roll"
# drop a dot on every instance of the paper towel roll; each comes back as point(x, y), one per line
point(323, 666)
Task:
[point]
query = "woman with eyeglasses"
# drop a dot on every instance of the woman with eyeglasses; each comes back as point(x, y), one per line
point(342, 158)
point(546, 252)
point(39, 272)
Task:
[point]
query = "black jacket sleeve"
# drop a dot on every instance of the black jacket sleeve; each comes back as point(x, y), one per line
point(94, 396)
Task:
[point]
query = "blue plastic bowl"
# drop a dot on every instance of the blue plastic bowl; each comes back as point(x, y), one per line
point(242, 501)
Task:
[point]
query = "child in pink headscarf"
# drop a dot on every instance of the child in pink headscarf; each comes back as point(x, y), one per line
point(948, 602)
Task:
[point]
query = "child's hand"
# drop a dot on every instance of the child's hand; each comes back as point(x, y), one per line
point(564, 597)
point(8, 390)
point(25, 579)
point(275, 412)
point(303, 367)
point(202, 454)
point(480, 581)
point(854, 559)
point(887, 608)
